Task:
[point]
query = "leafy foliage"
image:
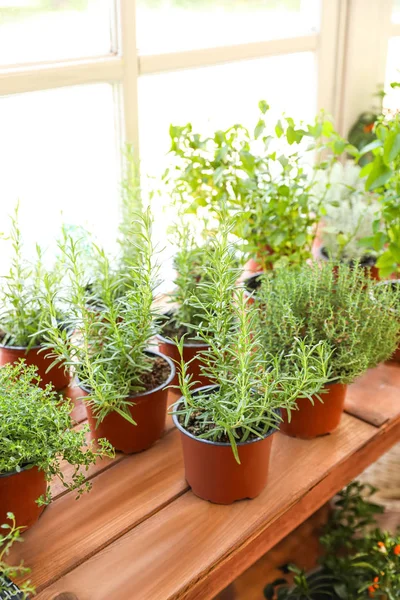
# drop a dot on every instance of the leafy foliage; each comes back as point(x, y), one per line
point(251, 385)
point(352, 214)
point(337, 305)
point(8, 537)
point(264, 183)
point(22, 307)
point(383, 176)
point(36, 430)
point(360, 561)
point(108, 348)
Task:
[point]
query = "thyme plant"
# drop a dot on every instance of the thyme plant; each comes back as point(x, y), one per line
point(251, 385)
point(36, 430)
point(22, 307)
point(360, 561)
point(340, 307)
point(10, 535)
point(108, 350)
point(264, 180)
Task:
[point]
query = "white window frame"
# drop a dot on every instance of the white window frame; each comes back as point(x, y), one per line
point(345, 24)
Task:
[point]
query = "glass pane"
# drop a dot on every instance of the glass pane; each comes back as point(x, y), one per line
point(396, 11)
point(171, 25)
point(58, 154)
point(392, 98)
point(47, 30)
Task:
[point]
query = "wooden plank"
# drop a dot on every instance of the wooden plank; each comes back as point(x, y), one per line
point(375, 397)
point(188, 549)
point(70, 530)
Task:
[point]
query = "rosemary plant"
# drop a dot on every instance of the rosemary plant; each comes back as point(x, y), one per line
point(251, 385)
point(108, 350)
point(338, 306)
point(36, 430)
point(22, 307)
point(10, 535)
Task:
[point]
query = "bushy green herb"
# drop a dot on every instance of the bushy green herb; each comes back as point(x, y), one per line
point(359, 562)
point(36, 430)
point(22, 307)
point(9, 535)
point(252, 386)
point(108, 348)
point(338, 306)
point(264, 183)
point(383, 176)
point(351, 213)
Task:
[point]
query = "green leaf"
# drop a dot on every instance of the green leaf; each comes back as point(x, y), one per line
point(391, 147)
point(339, 146)
point(263, 106)
point(279, 129)
point(300, 239)
point(259, 128)
point(379, 175)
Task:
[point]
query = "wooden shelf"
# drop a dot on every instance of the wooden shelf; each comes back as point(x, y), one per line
point(142, 535)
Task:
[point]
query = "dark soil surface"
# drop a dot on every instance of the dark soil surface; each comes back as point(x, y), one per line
point(365, 261)
point(197, 427)
point(170, 330)
point(253, 283)
point(157, 376)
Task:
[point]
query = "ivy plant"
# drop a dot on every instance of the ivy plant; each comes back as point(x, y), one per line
point(108, 350)
point(22, 307)
point(36, 430)
point(263, 180)
point(334, 304)
point(9, 535)
point(251, 384)
point(383, 176)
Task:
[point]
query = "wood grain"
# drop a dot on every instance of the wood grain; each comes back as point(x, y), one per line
point(188, 549)
point(72, 530)
point(375, 397)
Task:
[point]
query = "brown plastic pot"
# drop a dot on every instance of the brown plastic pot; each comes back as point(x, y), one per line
point(148, 410)
point(191, 355)
point(212, 471)
point(58, 375)
point(18, 494)
point(313, 420)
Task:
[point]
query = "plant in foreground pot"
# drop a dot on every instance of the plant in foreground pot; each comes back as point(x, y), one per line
point(36, 435)
point(23, 311)
point(9, 535)
point(226, 428)
point(359, 560)
point(340, 307)
point(352, 214)
point(123, 382)
point(192, 268)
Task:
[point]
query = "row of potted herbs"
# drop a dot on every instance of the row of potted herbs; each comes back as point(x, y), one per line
point(281, 361)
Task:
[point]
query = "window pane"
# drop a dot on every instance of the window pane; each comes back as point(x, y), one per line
point(396, 11)
point(220, 96)
point(171, 25)
point(42, 30)
point(392, 99)
point(58, 154)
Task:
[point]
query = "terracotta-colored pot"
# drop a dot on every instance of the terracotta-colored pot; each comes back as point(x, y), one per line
point(370, 270)
point(213, 473)
point(313, 420)
point(58, 376)
point(18, 494)
point(148, 410)
point(394, 282)
point(191, 355)
point(254, 265)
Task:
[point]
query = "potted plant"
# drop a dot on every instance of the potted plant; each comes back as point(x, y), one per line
point(264, 181)
point(36, 435)
point(383, 177)
point(351, 215)
point(123, 381)
point(226, 428)
point(23, 311)
point(318, 303)
point(359, 561)
point(9, 536)
point(394, 284)
point(191, 269)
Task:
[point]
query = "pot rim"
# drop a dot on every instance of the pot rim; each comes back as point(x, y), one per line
point(148, 392)
point(165, 340)
point(22, 469)
point(37, 347)
point(251, 278)
point(212, 443)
